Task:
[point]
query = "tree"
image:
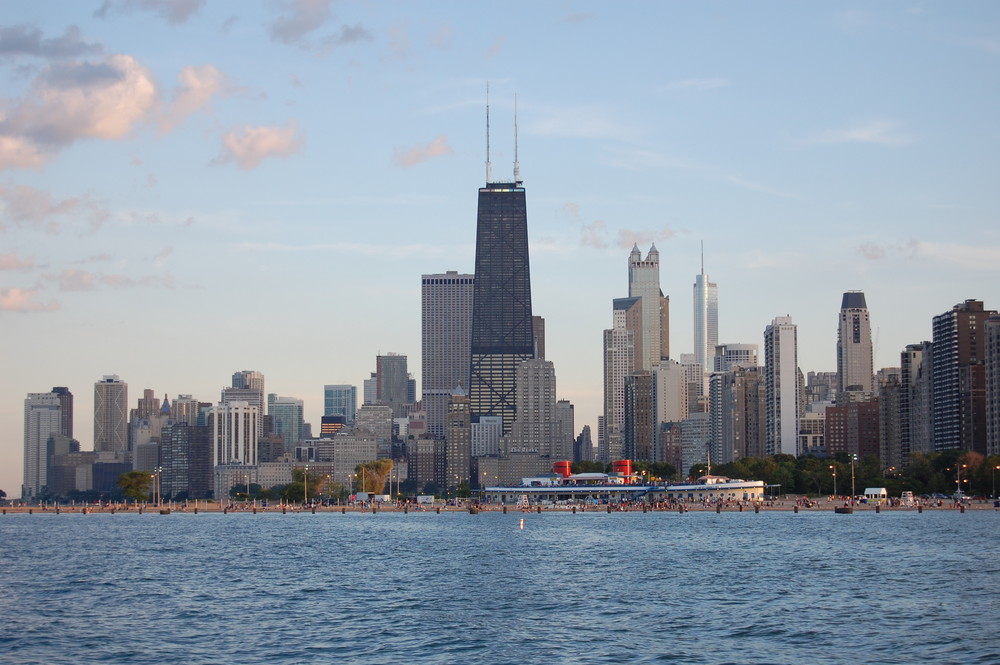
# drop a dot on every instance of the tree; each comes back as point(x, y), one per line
point(586, 466)
point(372, 475)
point(462, 490)
point(135, 484)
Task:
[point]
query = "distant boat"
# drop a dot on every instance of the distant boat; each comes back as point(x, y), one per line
point(164, 511)
point(843, 510)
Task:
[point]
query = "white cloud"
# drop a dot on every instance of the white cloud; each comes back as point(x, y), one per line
point(437, 148)
point(197, 85)
point(585, 121)
point(878, 132)
point(70, 101)
point(23, 300)
point(249, 145)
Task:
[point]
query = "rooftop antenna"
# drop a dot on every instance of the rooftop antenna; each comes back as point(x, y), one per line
point(489, 176)
point(702, 257)
point(517, 167)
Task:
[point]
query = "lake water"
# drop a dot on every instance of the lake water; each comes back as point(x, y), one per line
point(460, 588)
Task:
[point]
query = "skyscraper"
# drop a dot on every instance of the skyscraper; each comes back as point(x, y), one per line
point(234, 434)
point(458, 440)
point(446, 338)
point(781, 380)
point(391, 383)
point(644, 283)
point(286, 414)
point(66, 407)
point(621, 358)
point(42, 419)
point(706, 319)
point(992, 355)
point(341, 400)
point(501, 310)
point(111, 415)
point(854, 345)
point(958, 376)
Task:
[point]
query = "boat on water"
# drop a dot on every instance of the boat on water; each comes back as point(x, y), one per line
point(844, 510)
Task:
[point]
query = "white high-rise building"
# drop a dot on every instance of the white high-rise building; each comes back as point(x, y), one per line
point(728, 356)
point(42, 419)
point(644, 283)
point(111, 415)
point(234, 433)
point(446, 339)
point(670, 402)
point(781, 380)
point(706, 319)
point(621, 358)
point(854, 345)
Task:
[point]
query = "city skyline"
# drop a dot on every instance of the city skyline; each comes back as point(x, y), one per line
point(249, 215)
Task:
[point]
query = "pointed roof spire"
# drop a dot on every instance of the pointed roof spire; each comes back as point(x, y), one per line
point(489, 175)
point(517, 166)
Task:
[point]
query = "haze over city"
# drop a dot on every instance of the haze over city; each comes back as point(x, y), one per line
point(190, 189)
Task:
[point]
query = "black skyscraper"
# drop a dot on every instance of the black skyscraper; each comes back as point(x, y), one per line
point(501, 309)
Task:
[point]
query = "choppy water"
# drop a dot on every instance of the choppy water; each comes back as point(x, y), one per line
point(454, 588)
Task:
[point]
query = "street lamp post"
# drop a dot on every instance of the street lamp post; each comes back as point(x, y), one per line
point(833, 470)
point(853, 494)
point(305, 487)
point(994, 472)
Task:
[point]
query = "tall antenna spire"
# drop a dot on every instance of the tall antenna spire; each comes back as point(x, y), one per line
point(702, 257)
point(489, 175)
point(517, 166)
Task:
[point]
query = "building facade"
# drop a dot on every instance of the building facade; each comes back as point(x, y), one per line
point(854, 345)
point(502, 336)
point(340, 400)
point(781, 387)
point(446, 342)
point(111, 415)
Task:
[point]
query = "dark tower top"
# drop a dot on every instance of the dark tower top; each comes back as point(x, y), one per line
point(853, 300)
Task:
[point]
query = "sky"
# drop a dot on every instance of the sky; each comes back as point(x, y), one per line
point(192, 188)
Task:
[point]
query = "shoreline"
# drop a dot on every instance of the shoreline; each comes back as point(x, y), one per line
point(215, 507)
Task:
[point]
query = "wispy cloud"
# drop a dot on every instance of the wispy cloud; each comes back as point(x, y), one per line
point(437, 148)
point(584, 121)
point(298, 18)
point(248, 146)
point(577, 18)
point(496, 47)
point(976, 257)
point(173, 12)
point(35, 208)
point(83, 280)
point(398, 251)
point(11, 261)
point(196, 87)
point(27, 40)
point(596, 234)
point(442, 38)
point(697, 84)
point(877, 132)
point(23, 300)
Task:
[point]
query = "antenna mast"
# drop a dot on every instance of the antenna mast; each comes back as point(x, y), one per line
point(489, 175)
point(702, 257)
point(517, 166)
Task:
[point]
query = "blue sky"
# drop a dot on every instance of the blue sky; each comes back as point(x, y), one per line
point(192, 188)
